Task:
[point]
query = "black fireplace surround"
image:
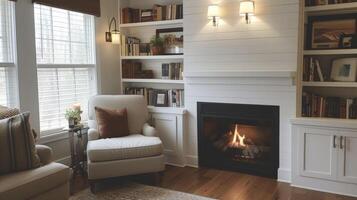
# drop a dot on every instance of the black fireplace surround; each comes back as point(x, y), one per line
point(238, 137)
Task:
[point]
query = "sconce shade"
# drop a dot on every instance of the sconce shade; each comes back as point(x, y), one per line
point(213, 11)
point(115, 37)
point(246, 7)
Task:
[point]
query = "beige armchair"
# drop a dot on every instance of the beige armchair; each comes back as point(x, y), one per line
point(140, 152)
point(50, 181)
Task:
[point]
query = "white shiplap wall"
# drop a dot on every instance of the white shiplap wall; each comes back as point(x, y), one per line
point(269, 42)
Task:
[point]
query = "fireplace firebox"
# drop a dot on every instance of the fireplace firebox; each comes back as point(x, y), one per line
point(238, 137)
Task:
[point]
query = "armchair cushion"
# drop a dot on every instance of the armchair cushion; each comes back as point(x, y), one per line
point(93, 134)
point(128, 147)
point(30, 183)
point(112, 123)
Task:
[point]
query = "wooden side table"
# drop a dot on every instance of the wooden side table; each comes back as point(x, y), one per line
point(78, 140)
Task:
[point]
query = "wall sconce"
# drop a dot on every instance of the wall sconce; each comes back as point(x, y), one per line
point(213, 14)
point(246, 9)
point(113, 36)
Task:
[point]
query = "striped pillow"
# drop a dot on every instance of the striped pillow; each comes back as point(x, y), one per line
point(17, 145)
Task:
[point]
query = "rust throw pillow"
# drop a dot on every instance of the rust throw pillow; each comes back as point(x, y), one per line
point(112, 123)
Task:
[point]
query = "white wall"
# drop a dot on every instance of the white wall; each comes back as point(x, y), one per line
point(269, 43)
point(107, 53)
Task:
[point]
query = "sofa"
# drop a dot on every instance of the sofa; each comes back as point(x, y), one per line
point(50, 181)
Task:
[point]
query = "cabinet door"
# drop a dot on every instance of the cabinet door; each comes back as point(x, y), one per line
point(318, 153)
point(347, 170)
point(166, 125)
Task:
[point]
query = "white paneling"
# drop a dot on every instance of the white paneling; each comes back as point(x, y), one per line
point(270, 42)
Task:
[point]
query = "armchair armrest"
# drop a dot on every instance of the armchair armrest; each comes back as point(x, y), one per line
point(45, 154)
point(93, 134)
point(149, 131)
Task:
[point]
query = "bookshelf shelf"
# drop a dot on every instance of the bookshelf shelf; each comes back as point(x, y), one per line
point(341, 8)
point(153, 23)
point(159, 57)
point(168, 110)
point(166, 81)
point(330, 52)
point(330, 84)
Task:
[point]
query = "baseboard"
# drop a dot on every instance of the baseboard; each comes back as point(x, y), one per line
point(284, 175)
point(191, 161)
point(66, 160)
point(322, 190)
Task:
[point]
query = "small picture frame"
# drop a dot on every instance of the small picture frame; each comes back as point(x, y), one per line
point(173, 40)
point(348, 41)
point(344, 70)
point(161, 99)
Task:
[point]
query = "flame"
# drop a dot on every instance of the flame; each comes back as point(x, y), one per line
point(238, 140)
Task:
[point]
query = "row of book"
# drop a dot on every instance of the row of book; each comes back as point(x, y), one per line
point(326, 2)
point(312, 70)
point(159, 97)
point(157, 13)
point(334, 107)
point(130, 46)
point(133, 69)
point(172, 71)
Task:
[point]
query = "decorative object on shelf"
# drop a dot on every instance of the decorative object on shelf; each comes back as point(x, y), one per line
point(113, 36)
point(156, 45)
point(348, 41)
point(344, 70)
point(73, 115)
point(324, 32)
point(214, 14)
point(161, 99)
point(246, 9)
point(173, 40)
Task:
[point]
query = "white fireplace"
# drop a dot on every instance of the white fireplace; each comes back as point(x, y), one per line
point(274, 88)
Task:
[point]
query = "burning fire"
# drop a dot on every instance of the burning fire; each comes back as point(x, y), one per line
point(238, 140)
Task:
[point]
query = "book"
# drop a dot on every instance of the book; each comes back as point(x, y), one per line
point(319, 71)
point(165, 71)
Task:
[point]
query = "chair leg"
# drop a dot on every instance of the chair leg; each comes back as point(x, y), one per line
point(92, 187)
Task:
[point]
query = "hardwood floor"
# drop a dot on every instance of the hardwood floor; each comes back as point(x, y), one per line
point(223, 185)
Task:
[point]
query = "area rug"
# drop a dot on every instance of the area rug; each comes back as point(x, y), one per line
point(134, 191)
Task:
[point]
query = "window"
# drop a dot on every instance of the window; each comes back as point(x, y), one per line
point(66, 63)
point(7, 58)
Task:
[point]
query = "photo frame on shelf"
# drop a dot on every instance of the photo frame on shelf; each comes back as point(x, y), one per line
point(161, 99)
point(348, 41)
point(173, 40)
point(344, 70)
point(326, 32)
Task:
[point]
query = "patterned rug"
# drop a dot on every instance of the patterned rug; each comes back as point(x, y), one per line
point(133, 191)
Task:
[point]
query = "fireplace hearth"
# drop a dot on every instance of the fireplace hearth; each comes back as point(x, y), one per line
point(238, 137)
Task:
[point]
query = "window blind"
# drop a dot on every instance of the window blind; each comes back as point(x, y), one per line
point(7, 66)
point(65, 62)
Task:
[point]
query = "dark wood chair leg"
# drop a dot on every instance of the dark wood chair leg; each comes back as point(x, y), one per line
point(92, 187)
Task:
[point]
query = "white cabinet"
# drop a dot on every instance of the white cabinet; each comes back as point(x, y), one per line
point(318, 157)
point(170, 127)
point(324, 155)
point(347, 164)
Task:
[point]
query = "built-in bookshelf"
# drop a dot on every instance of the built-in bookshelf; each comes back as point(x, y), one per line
point(321, 90)
point(158, 77)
